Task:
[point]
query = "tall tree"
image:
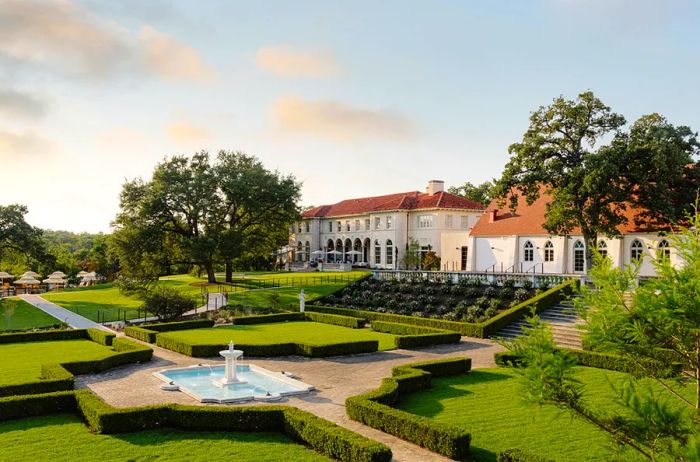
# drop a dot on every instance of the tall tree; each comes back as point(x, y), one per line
point(481, 193)
point(19, 238)
point(589, 184)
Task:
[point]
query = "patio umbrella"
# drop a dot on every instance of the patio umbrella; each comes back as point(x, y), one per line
point(24, 281)
point(353, 252)
point(4, 275)
point(30, 274)
point(81, 274)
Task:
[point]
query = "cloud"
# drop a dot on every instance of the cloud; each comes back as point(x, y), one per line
point(187, 133)
point(21, 144)
point(15, 104)
point(338, 121)
point(288, 62)
point(167, 57)
point(61, 34)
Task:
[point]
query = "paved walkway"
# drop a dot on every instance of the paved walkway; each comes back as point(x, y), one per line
point(335, 378)
point(72, 319)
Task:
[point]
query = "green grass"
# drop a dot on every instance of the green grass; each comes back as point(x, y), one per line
point(488, 403)
point(297, 331)
point(21, 362)
point(288, 296)
point(63, 437)
point(19, 315)
point(104, 298)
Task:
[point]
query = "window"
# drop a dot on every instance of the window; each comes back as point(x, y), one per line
point(367, 221)
point(579, 256)
point(377, 253)
point(448, 221)
point(465, 255)
point(464, 221)
point(529, 253)
point(357, 225)
point(299, 227)
point(307, 251)
point(549, 251)
point(340, 227)
point(388, 222)
point(330, 226)
point(300, 253)
point(663, 251)
point(307, 226)
point(389, 252)
point(637, 250)
point(425, 221)
point(347, 225)
point(603, 249)
point(377, 222)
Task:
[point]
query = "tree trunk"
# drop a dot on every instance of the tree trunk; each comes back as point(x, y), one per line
point(211, 276)
point(590, 242)
point(229, 271)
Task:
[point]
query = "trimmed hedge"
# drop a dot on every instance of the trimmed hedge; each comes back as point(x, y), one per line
point(100, 336)
point(20, 407)
point(199, 350)
point(336, 319)
point(375, 409)
point(479, 330)
point(600, 360)
point(416, 336)
point(59, 377)
point(139, 333)
point(267, 318)
point(518, 455)
point(43, 336)
point(148, 332)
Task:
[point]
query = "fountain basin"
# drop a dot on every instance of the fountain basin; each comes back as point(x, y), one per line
point(199, 382)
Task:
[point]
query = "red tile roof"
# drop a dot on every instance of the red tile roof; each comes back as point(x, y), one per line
point(527, 220)
point(413, 200)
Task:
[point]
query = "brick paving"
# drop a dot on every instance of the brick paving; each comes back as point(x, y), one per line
point(335, 378)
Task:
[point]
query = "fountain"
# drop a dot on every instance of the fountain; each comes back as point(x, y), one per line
point(230, 373)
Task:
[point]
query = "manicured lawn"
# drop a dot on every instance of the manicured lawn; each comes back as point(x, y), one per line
point(297, 331)
point(288, 296)
point(105, 298)
point(21, 362)
point(18, 314)
point(63, 437)
point(488, 403)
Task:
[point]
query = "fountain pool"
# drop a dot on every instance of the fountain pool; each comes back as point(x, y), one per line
point(204, 383)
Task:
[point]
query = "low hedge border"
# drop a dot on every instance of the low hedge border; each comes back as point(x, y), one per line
point(267, 318)
point(336, 319)
point(43, 336)
point(201, 350)
point(518, 455)
point(609, 361)
point(479, 330)
point(321, 435)
point(409, 336)
point(59, 377)
point(148, 332)
point(375, 410)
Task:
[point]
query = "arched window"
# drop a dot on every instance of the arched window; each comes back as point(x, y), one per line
point(377, 253)
point(389, 252)
point(549, 251)
point(529, 253)
point(603, 249)
point(637, 250)
point(307, 226)
point(579, 256)
point(300, 251)
point(663, 250)
point(307, 250)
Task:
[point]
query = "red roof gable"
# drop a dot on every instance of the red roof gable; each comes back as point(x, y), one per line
point(527, 220)
point(413, 200)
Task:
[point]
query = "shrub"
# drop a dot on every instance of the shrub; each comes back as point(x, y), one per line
point(100, 336)
point(139, 333)
point(521, 295)
point(43, 336)
point(19, 407)
point(374, 408)
point(336, 319)
point(267, 318)
point(490, 292)
point(167, 303)
point(179, 325)
point(415, 336)
point(518, 455)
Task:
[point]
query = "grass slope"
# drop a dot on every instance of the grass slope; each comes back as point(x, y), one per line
point(288, 296)
point(21, 362)
point(298, 331)
point(87, 301)
point(488, 403)
point(18, 314)
point(64, 437)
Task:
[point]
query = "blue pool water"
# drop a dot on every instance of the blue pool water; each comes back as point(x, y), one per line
point(198, 382)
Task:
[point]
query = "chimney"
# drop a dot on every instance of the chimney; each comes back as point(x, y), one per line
point(492, 215)
point(435, 186)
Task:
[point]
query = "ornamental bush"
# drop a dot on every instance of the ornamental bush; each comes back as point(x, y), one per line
point(167, 303)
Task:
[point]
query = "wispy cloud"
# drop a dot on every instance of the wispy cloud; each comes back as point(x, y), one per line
point(339, 121)
point(289, 62)
point(17, 104)
point(14, 145)
point(187, 133)
point(62, 34)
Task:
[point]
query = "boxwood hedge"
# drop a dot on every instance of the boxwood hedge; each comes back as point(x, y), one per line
point(336, 319)
point(323, 436)
point(409, 336)
point(147, 332)
point(267, 318)
point(375, 409)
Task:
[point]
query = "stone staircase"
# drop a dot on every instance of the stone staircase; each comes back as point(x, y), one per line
point(563, 321)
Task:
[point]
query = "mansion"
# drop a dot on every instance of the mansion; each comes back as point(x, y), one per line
point(376, 231)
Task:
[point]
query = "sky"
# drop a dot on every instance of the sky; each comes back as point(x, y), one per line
point(354, 98)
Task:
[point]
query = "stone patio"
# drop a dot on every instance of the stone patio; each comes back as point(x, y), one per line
point(335, 378)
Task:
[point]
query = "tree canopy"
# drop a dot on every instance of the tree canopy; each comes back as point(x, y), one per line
point(577, 153)
point(196, 212)
point(21, 244)
point(481, 193)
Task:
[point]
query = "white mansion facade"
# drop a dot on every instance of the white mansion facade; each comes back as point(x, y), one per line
point(376, 231)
